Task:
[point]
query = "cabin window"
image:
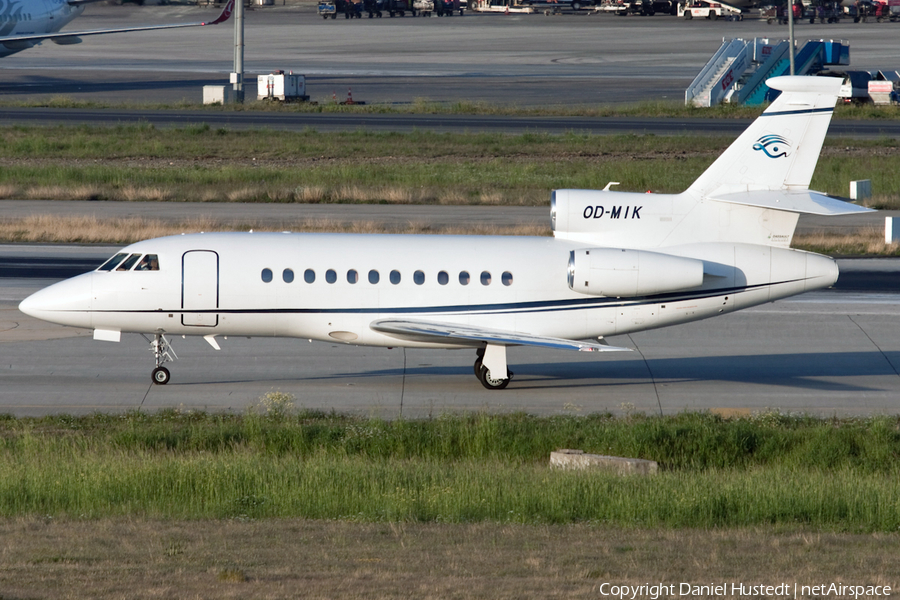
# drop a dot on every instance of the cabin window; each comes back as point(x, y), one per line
point(419, 277)
point(485, 278)
point(113, 262)
point(464, 278)
point(129, 262)
point(267, 275)
point(506, 278)
point(374, 276)
point(352, 276)
point(395, 277)
point(288, 275)
point(330, 276)
point(309, 276)
point(150, 262)
point(443, 278)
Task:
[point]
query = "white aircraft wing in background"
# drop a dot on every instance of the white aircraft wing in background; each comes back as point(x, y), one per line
point(24, 41)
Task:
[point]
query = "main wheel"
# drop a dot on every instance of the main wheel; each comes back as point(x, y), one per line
point(478, 368)
point(160, 376)
point(484, 376)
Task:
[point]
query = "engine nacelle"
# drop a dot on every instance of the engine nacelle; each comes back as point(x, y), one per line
point(625, 273)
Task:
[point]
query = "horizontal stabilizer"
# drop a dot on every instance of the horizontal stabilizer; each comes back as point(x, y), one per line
point(441, 333)
point(806, 201)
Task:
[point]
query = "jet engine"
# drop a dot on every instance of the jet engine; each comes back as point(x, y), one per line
point(618, 272)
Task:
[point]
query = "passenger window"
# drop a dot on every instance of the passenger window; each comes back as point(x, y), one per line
point(309, 276)
point(288, 275)
point(150, 262)
point(352, 276)
point(373, 276)
point(485, 278)
point(464, 278)
point(506, 278)
point(443, 278)
point(395, 277)
point(129, 262)
point(330, 276)
point(267, 275)
point(113, 262)
point(419, 277)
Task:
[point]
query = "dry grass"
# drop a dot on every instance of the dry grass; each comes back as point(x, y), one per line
point(54, 192)
point(141, 558)
point(869, 240)
point(48, 228)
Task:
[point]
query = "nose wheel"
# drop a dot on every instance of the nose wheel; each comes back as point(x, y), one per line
point(161, 376)
point(162, 353)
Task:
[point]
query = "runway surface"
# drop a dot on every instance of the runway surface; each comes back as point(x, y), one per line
point(830, 352)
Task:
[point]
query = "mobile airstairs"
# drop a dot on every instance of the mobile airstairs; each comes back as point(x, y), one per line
point(737, 73)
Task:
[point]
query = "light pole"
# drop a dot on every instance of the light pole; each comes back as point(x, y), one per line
point(790, 9)
point(237, 76)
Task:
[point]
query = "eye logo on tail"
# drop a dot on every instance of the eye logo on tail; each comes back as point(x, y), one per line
point(774, 146)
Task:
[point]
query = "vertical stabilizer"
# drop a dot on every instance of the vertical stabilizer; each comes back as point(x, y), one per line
point(779, 150)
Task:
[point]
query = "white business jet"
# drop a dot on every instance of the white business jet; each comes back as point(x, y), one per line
point(617, 263)
point(26, 23)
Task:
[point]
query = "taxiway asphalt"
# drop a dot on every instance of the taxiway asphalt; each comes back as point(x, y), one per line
point(520, 60)
point(829, 352)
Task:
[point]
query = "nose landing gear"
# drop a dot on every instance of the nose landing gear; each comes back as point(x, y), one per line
point(162, 353)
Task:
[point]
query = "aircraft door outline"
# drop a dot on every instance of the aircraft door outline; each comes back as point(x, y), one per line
point(200, 288)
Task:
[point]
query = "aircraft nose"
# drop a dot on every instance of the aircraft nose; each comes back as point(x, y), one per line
point(66, 303)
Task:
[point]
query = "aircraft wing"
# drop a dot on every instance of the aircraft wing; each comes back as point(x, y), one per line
point(62, 35)
point(435, 332)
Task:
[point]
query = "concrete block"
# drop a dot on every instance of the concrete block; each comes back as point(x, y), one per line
point(860, 190)
point(891, 230)
point(577, 459)
point(216, 94)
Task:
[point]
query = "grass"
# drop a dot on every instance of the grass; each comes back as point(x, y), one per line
point(108, 559)
point(326, 104)
point(273, 462)
point(92, 230)
point(197, 163)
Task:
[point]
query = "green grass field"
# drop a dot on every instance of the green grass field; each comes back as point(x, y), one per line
point(834, 474)
point(198, 163)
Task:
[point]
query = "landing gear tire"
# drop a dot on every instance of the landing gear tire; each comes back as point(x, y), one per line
point(484, 376)
point(161, 376)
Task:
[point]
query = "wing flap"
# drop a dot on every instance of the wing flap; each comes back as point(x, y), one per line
point(435, 332)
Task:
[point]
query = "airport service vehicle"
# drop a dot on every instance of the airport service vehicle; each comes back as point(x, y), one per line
point(702, 9)
point(617, 263)
point(26, 23)
point(327, 9)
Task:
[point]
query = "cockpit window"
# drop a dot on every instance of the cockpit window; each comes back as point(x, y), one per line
point(150, 262)
point(129, 262)
point(113, 262)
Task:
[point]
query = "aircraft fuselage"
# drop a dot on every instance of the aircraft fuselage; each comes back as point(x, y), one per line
point(333, 286)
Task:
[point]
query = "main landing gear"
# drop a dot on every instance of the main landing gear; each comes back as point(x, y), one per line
point(491, 376)
point(162, 353)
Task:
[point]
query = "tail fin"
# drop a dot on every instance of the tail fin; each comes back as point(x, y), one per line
point(779, 150)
